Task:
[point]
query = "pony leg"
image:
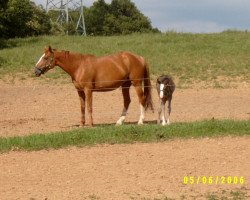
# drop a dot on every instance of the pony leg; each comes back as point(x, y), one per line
point(163, 113)
point(169, 111)
point(141, 97)
point(126, 102)
point(159, 113)
point(89, 98)
point(82, 103)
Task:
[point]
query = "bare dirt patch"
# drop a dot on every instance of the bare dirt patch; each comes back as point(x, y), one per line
point(136, 171)
point(37, 107)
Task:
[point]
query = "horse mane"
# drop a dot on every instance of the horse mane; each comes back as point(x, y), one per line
point(67, 53)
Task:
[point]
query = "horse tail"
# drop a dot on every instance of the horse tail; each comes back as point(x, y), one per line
point(148, 89)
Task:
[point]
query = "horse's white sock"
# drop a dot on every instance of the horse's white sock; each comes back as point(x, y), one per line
point(142, 116)
point(122, 118)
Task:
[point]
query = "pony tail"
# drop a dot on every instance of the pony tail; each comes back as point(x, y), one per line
point(148, 89)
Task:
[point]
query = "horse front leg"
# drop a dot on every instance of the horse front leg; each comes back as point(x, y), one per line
point(89, 98)
point(163, 113)
point(159, 112)
point(82, 103)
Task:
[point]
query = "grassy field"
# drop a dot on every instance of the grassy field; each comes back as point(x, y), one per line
point(125, 134)
point(187, 57)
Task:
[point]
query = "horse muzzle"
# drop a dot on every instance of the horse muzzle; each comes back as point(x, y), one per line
point(38, 71)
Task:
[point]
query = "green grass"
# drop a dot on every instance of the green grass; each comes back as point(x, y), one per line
point(237, 194)
point(226, 195)
point(199, 57)
point(124, 134)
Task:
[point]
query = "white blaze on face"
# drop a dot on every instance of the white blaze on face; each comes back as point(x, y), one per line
point(161, 90)
point(40, 59)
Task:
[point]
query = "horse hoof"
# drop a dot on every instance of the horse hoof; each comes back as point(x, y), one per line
point(164, 124)
point(119, 123)
point(89, 126)
point(82, 124)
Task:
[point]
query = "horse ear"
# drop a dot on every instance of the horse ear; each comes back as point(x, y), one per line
point(48, 48)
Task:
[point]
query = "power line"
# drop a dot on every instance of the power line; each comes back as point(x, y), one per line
point(64, 9)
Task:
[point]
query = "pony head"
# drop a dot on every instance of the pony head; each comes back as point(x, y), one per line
point(46, 62)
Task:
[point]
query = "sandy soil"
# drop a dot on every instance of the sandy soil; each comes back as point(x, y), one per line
point(136, 171)
point(36, 107)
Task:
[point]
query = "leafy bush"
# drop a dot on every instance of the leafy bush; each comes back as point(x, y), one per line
point(119, 17)
point(23, 18)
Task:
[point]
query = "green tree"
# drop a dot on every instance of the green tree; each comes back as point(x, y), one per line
point(3, 6)
point(128, 18)
point(18, 14)
point(95, 17)
point(3, 3)
point(119, 17)
point(40, 23)
point(22, 18)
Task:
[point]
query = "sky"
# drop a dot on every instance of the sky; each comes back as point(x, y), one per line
point(195, 16)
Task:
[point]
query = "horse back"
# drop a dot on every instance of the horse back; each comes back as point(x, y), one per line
point(122, 62)
point(135, 64)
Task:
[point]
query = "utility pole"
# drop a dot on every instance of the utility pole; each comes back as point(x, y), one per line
point(64, 9)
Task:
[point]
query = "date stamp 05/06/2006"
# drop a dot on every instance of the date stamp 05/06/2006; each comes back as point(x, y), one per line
point(213, 180)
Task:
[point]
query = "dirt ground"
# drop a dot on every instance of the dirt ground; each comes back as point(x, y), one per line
point(36, 107)
point(135, 171)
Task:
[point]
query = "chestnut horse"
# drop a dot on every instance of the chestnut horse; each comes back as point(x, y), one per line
point(100, 74)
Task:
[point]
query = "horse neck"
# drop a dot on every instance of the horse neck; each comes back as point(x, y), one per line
point(68, 62)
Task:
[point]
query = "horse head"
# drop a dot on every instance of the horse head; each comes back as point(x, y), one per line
point(46, 62)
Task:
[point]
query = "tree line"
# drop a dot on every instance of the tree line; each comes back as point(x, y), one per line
point(25, 18)
point(22, 18)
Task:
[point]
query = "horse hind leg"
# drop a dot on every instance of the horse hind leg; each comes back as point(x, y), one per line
point(126, 102)
point(142, 116)
point(169, 111)
point(140, 94)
